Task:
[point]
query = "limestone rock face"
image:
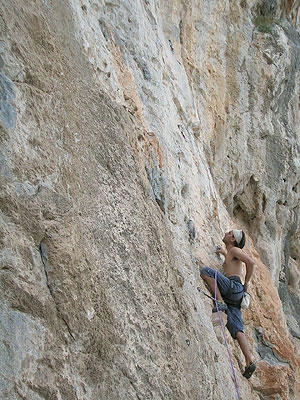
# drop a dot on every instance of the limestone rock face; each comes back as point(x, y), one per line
point(133, 134)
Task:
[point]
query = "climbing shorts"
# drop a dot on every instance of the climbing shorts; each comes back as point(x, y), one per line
point(231, 290)
point(234, 321)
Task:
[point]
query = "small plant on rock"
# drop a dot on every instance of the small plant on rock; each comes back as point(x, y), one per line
point(264, 24)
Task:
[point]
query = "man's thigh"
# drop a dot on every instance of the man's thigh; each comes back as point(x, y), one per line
point(222, 282)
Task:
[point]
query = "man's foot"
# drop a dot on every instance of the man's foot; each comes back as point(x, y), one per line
point(249, 370)
point(221, 307)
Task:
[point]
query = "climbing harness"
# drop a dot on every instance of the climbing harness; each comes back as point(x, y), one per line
point(223, 332)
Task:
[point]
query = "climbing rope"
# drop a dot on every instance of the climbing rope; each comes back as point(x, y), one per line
point(224, 336)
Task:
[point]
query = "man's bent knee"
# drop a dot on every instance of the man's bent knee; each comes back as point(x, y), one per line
point(206, 272)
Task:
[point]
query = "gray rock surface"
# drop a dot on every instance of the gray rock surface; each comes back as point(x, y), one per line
point(133, 134)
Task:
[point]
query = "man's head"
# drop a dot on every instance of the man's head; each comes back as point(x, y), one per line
point(240, 239)
point(236, 237)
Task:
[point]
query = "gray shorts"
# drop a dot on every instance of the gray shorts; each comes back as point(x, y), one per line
point(231, 290)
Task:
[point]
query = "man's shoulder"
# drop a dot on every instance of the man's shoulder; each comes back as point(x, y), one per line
point(239, 254)
point(234, 251)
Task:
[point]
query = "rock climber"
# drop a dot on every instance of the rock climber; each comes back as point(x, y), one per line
point(229, 289)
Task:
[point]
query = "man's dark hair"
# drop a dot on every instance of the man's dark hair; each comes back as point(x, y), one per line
point(242, 242)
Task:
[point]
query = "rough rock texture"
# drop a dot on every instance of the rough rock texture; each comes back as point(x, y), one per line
point(133, 133)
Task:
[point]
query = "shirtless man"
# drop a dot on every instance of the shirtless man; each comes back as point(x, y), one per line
point(229, 289)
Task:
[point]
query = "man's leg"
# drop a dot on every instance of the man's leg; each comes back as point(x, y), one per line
point(250, 365)
point(236, 328)
point(211, 285)
point(243, 342)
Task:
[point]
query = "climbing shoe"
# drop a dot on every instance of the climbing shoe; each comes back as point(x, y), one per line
point(249, 370)
point(221, 307)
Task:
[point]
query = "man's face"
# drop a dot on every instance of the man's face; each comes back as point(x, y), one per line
point(228, 237)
